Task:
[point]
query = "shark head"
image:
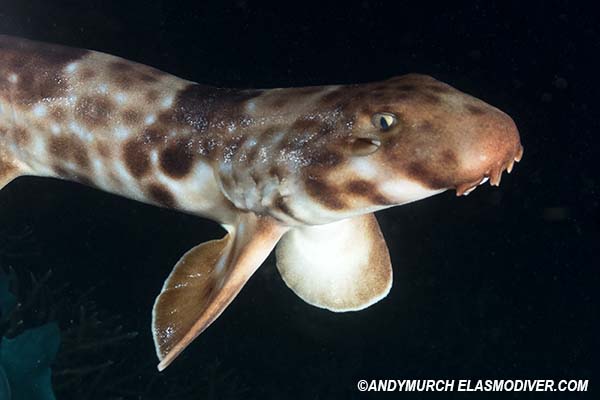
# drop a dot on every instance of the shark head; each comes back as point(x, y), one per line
point(416, 136)
point(326, 153)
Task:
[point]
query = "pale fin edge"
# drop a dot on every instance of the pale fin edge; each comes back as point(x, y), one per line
point(206, 280)
point(342, 266)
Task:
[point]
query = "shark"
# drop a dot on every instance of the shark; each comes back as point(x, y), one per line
point(300, 170)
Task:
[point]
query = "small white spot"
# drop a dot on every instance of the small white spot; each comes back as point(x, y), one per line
point(55, 129)
point(103, 88)
point(154, 157)
point(278, 137)
point(121, 98)
point(364, 168)
point(13, 78)
point(39, 110)
point(121, 132)
point(80, 132)
point(71, 68)
point(167, 101)
point(150, 119)
point(482, 157)
point(250, 106)
point(39, 146)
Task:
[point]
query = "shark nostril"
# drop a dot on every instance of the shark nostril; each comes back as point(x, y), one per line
point(364, 146)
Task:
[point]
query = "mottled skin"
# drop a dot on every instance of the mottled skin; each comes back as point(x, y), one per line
point(131, 129)
point(296, 157)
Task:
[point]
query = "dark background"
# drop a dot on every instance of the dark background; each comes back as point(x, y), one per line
point(500, 284)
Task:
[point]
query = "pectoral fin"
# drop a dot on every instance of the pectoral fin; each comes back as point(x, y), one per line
point(205, 281)
point(342, 266)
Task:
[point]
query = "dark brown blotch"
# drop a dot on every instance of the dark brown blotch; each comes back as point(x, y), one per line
point(39, 67)
point(305, 125)
point(333, 97)
point(281, 204)
point(430, 98)
point(83, 179)
point(278, 102)
point(88, 73)
point(402, 96)
point(22, 137)
point(449, 159)
point(65, 173)
point(196, 105)
point(359, 187)
point(167, 117)
point(69, 149)
point(131, 117)
point(60, 171)
point(323, 193)
point(153, 136)
point(251, 154)
point(58, 114)
point(103, 149)
point(137, 159)
point(94, 111)
point(420, 172)
point(45, 89)
point(277, 172)
point(327, 158)
point(161, 195)
point(426, 127)
point(144, 77)
point(177, 160)
point(366, 189)
point(123, 81)
point(152, 95)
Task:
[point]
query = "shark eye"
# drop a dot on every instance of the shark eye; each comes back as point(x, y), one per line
point(384, 121)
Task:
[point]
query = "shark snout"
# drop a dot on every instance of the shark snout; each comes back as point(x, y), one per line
point(497, 146)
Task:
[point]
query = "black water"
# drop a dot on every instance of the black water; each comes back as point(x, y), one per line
point(501, 284)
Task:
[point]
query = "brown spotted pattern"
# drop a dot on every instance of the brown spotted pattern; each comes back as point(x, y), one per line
point(31, 71)
point(134, 130)
point(298, 156)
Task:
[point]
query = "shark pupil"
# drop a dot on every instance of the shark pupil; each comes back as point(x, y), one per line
point(383, 122)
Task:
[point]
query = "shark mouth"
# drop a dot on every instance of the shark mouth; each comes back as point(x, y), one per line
point(493, 175)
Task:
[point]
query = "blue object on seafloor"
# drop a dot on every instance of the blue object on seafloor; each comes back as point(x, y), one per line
point(25, 359)
point(4, 386)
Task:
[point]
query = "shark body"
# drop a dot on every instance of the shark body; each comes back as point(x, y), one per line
point(302, 169)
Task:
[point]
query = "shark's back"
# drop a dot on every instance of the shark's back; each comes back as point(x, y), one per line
point(104, 121)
